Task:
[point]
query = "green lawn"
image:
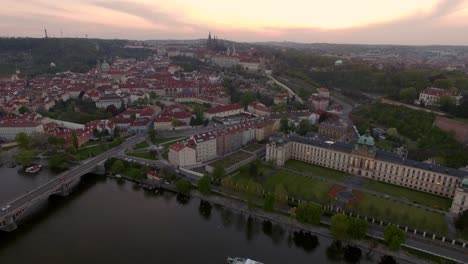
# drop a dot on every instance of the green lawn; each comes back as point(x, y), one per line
point(142, 155)
point(142, 145)
point(86, 153)
point(315, 170)
point(400, 213)
point(412, 195)
point(253, 147)
point(300, 186)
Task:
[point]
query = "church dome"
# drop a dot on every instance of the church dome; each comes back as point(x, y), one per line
point(366, 139)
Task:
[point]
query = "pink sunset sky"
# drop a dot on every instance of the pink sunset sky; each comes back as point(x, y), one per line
point(334, 21)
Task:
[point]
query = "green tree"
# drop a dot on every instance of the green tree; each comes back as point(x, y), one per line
point(75, 140)
point(269, 202)
point(25, 157)
point(284, 125)
point(118, 167)
point(461, 223)
point(447, 103)
point(23, 110)
point(183, 186)
point(23, 140)
point(339, 226)
point(253, 170)
point(281, 195)
point(394, 237)
point(444, 83)
point(309, 213)
point(357, 228)
point(152, 135)
point(59, 162)
point(247, 98)
point(408, 95)
point(204, 185)
point(304, 127)
point(219, 172)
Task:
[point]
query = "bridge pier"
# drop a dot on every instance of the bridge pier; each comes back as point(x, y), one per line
point(10, 224)
point(64, 190)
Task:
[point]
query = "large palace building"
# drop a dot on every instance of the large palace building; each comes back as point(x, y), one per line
point(364, 159)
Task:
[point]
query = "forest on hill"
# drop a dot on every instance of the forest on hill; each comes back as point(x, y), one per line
point(33, 56)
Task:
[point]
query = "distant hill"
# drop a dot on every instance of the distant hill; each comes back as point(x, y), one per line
point(33, 56)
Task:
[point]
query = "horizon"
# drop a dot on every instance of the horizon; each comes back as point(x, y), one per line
point(360, 22)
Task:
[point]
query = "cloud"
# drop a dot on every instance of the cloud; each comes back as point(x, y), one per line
point(144, 11)
point(445, 7)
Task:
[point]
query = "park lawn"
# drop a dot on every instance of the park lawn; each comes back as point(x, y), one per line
point(142, 155)
point(86, 153)
point(415, 196)
point(400, 213)
point(142, 145)
point(315, 170)
point(300, 186)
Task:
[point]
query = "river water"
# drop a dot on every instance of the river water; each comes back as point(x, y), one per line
point(113, 221)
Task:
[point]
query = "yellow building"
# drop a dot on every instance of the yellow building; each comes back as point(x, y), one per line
point(364, 159)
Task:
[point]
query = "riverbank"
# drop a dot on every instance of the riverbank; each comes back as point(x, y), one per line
point(282, 218)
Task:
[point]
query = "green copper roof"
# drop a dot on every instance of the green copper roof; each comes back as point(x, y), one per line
point(366, 139)
point(465, 182)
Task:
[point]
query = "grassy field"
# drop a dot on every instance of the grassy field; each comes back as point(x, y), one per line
point(400, 213)
point(315, 170)
point(412, 195)
point(300, 186)
point(142, 145)
point(142, 155)
point(86, 153)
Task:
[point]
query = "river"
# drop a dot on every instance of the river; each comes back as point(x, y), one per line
point(112, 221)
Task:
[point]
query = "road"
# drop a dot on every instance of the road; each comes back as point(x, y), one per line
point(20, 203)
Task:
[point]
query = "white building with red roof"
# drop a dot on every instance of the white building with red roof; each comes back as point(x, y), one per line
point(223, 111)
point(9, 128)
point(182, 154)
point(431, 96)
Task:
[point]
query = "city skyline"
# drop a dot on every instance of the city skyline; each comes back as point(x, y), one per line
point(420, 22)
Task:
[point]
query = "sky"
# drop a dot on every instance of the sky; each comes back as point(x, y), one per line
point(412, 22)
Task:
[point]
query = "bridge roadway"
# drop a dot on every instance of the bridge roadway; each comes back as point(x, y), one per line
point(59, 184)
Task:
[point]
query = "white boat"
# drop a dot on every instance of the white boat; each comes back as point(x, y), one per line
point(34, 169)
point(242, 261)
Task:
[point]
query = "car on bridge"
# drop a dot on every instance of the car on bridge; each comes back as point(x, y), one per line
point(4, 208)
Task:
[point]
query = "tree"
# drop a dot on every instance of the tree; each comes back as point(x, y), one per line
point(247, 98)
point(269, 202)
point(447, 103)
point(335, 250)
point(75, 140)
point(284, 125)
point(339, 226)
point(183, 186)
point(281, 195)
point(357, 228)
point(309, 213)
point(59, 162)
point(23, 110)
point(25, 157)
point(352, 254)
point(461, 223)
point(204, 185)
point(253, 170)
point(394, 237)
point(386, 259)
point(23, 140)
point(118, 167)
point(219, 172)
point(408, 95)
point(304, 127)
point(152, 135)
